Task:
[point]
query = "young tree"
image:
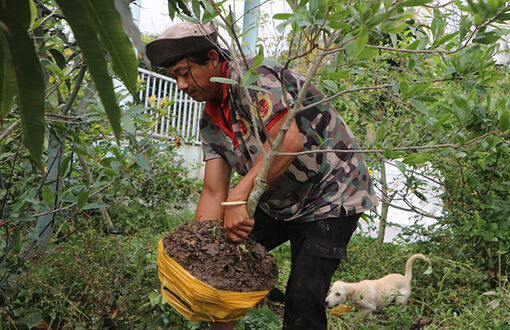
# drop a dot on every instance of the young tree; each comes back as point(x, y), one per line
point(398, 69)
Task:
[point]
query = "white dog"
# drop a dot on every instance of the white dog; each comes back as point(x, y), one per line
point(370, 295)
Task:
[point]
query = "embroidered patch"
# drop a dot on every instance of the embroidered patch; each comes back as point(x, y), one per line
point(244, 127)
point(265, 106)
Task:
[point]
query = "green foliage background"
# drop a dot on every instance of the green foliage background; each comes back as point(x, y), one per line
point(423, 91)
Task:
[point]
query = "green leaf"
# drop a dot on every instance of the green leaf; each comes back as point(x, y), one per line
point(389, 153)
point(438, 125)
point(331, 85)
point(128, 124)
point(401, 166)
point(343, 74)
point(57, 72)
point(340, 25)
point(142, 161)
point(393, 26)
point(223, 80)
point(368, 53)
point(479, 18)
point(16, 240)
point(33, 12)
point(7, 86)
point(249, 78)
point(361, 41)
point(95, 205)
point(25, 217)
point(445, 39)
point(260, 56)
point(413, 3)
point(60, 59)
point(188, 19)
point(257, 88)
point(83, 197)
point(428, 271)
point(404, 87)
point(90, 46)
point(171, 9)
point(155, 299)
point(64, 165)
point(108, 25)
point(182, 6)
point(504, 120)
point(48, 196)
point(131, 28)
point(28, 77)
point(31, 319)
point(282, 17)
point(195, 7)
point(209, 15)
point(79, 151)
point(418, 158)
point(486, 37)
point(465, 27)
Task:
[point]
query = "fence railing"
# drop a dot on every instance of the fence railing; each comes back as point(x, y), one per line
point(176, 113)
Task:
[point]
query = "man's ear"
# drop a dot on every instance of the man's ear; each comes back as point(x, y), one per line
point(214, 57)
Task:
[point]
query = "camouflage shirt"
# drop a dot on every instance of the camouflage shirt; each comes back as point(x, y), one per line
point(315, 186)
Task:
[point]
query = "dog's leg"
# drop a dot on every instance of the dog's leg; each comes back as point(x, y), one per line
point(403, 300)
point(403, 296)
point(367, 309)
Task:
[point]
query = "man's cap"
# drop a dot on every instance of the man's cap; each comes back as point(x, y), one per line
point(179, 40)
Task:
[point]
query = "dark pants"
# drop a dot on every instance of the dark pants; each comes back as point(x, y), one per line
point(316, 250)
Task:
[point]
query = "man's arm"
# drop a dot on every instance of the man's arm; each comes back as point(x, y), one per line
point(237, 222)
point(215, 190)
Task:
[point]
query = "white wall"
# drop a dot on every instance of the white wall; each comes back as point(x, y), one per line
point(192, 156)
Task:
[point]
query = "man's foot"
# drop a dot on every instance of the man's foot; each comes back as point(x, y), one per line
point(276, 295)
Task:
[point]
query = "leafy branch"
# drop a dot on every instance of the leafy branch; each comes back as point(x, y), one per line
point(436, 146)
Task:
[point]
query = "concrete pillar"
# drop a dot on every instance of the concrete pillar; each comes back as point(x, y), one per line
point(250, 25)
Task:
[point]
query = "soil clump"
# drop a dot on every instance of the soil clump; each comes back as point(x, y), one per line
point(204, 250)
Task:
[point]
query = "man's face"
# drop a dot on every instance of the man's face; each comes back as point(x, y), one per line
point(193, 79)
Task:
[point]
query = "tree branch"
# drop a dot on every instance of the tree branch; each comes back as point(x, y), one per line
point(71, 205)
point(260, 184)
point(372, 88)
point(436, 146)
point(9, 130)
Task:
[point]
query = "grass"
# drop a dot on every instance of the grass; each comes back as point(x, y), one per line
point(96, 281)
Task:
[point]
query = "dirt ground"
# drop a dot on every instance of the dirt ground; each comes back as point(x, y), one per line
point(204, 250)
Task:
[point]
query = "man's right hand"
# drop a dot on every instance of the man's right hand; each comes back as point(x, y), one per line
point(237, 223)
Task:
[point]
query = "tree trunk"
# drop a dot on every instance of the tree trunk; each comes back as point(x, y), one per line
point(385, 204)
point(104, 213)
point(45, 224)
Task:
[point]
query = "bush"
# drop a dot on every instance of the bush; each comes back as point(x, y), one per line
point(93, 281)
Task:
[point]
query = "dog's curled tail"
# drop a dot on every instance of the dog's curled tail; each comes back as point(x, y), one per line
point(409, 264)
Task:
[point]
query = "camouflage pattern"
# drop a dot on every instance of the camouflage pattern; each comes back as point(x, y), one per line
point(315, 186)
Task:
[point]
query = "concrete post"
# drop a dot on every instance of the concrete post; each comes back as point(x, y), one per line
point(250, 25)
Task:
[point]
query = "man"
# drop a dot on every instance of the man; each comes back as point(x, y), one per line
point(313, 200)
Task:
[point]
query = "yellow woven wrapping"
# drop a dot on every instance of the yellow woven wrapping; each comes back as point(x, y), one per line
point(198, 301)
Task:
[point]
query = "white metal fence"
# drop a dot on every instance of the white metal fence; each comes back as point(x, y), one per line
point(176, 113)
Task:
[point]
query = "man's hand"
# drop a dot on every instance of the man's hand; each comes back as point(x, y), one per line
point(237, 223)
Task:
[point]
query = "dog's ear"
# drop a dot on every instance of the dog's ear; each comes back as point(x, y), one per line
point(349, 291)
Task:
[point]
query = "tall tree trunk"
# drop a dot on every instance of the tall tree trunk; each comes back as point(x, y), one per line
point(110, 228)
point(104, 213)
point(45, 224)
point(385, 204)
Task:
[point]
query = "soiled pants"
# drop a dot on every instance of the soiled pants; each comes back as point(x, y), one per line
point(316, 250)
